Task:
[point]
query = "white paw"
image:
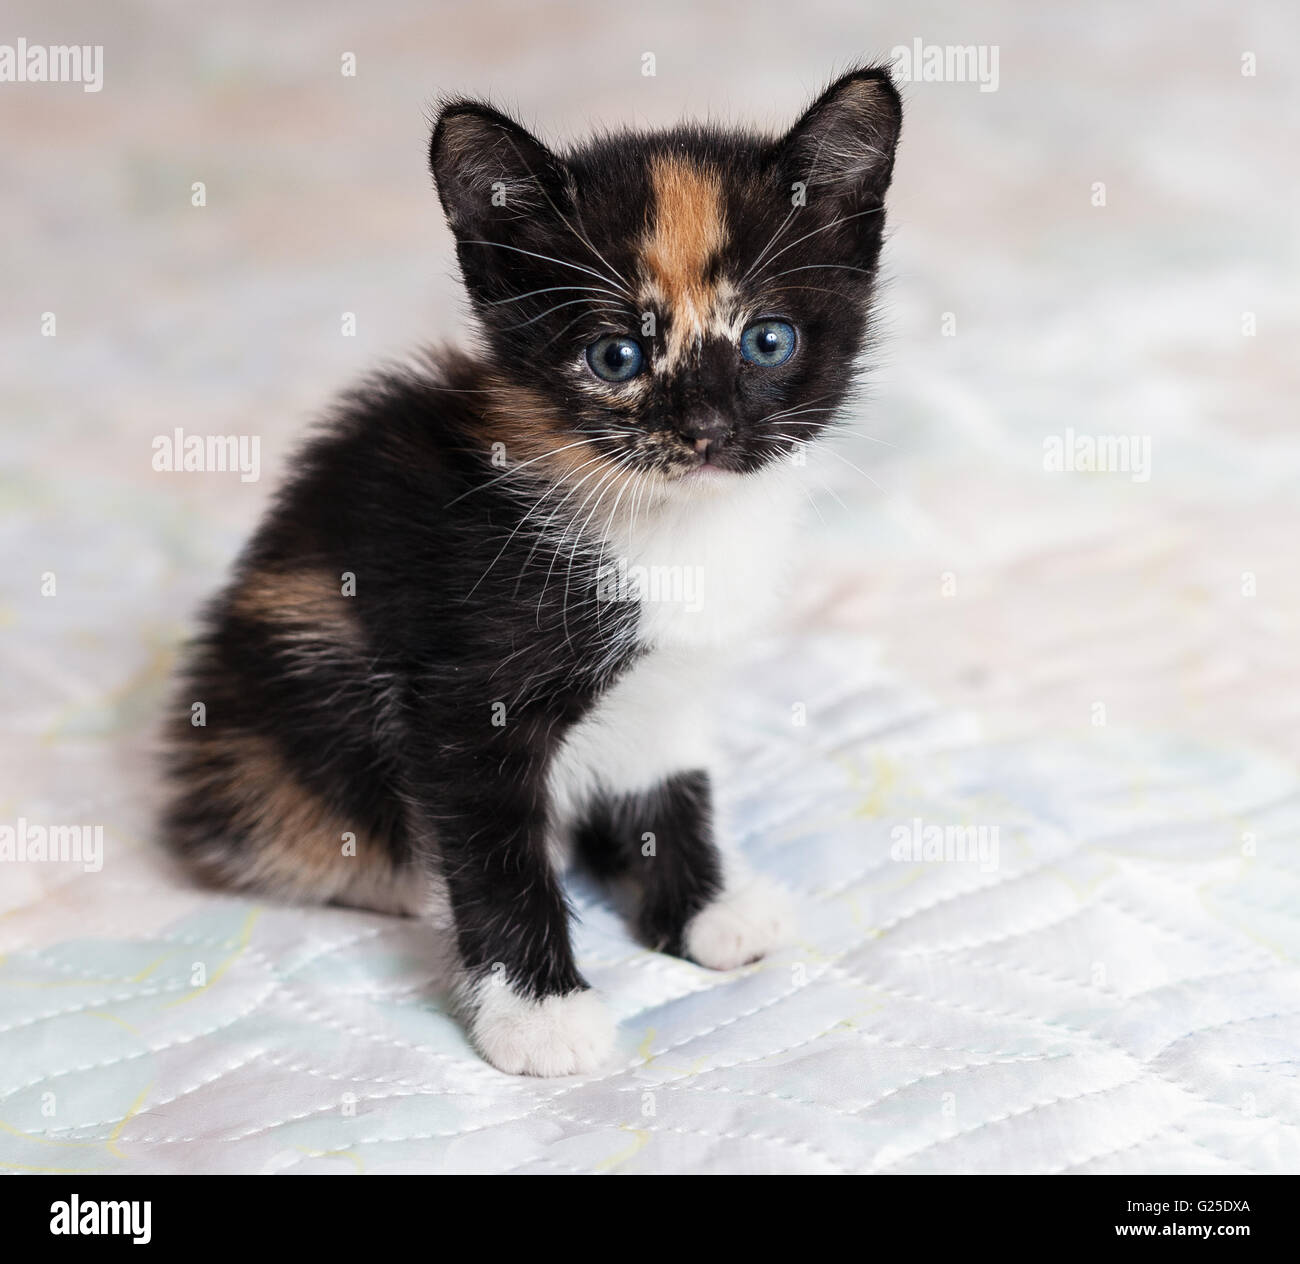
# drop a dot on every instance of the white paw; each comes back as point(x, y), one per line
point(740, 926)
point(559, 1035)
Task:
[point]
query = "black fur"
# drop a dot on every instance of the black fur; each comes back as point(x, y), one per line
point(663, 840)
point(825, 252)
point(423, 712)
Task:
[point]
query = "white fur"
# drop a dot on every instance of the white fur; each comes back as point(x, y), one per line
point(741, 925)
point(731, 536)
point(727, 544)
point(559, 1035)
point(654, 721)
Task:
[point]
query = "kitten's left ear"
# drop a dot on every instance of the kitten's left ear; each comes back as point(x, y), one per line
point(492, 174)
point(842, 149)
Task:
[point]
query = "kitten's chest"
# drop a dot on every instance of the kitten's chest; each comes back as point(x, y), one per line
point(704, 572)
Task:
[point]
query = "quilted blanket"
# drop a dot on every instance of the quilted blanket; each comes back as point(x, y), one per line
point(1026, 752)
point(1049, 957)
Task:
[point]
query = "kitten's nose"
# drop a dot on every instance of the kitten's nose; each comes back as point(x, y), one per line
point(705, 432)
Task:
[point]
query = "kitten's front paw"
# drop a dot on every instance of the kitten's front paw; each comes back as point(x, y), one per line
point(558, 1035)
point(740, 926)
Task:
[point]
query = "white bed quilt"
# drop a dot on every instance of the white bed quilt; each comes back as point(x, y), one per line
point(1115, 994)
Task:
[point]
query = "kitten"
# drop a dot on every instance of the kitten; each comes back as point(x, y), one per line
point(479, 627)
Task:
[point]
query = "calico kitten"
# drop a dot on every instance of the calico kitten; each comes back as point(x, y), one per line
point(479, 627)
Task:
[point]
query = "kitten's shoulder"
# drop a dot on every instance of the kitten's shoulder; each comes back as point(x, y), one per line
point(417, 410)
point(404, 433)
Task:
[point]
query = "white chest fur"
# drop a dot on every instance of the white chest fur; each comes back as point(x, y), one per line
point(707, 571)
point(707, 565)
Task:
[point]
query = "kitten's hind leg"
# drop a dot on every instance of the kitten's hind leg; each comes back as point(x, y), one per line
point(242, 818)
point(691, 901)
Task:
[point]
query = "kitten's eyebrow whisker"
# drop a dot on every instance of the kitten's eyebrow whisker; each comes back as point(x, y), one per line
point(573, 302)
point(814, 266)
point(835, 223)
point(560, 334)
point(571, 324)
point(551, 289)
point(624, 284)
point(564, 263)
point(811, 289)
point(770, 242)
point(812, 171)
point(581, 237)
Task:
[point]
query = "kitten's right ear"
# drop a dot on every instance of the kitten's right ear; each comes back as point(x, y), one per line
point(491, 173)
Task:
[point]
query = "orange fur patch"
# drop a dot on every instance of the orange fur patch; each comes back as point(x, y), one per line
point(307, 603)
point(295, 839)
point(688, 230)
point(529, 429)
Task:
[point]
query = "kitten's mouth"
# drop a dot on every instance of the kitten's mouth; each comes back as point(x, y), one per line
point(707, 472)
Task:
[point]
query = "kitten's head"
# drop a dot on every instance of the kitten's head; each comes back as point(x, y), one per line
point(682, 302)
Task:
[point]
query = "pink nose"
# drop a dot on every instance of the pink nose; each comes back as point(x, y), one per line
point(704, 431)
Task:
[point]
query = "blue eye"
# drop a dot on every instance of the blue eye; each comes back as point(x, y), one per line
point(768, 343)
point(615, 359)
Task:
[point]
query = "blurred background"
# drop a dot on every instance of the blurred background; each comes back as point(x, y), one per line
point(1105, 244)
